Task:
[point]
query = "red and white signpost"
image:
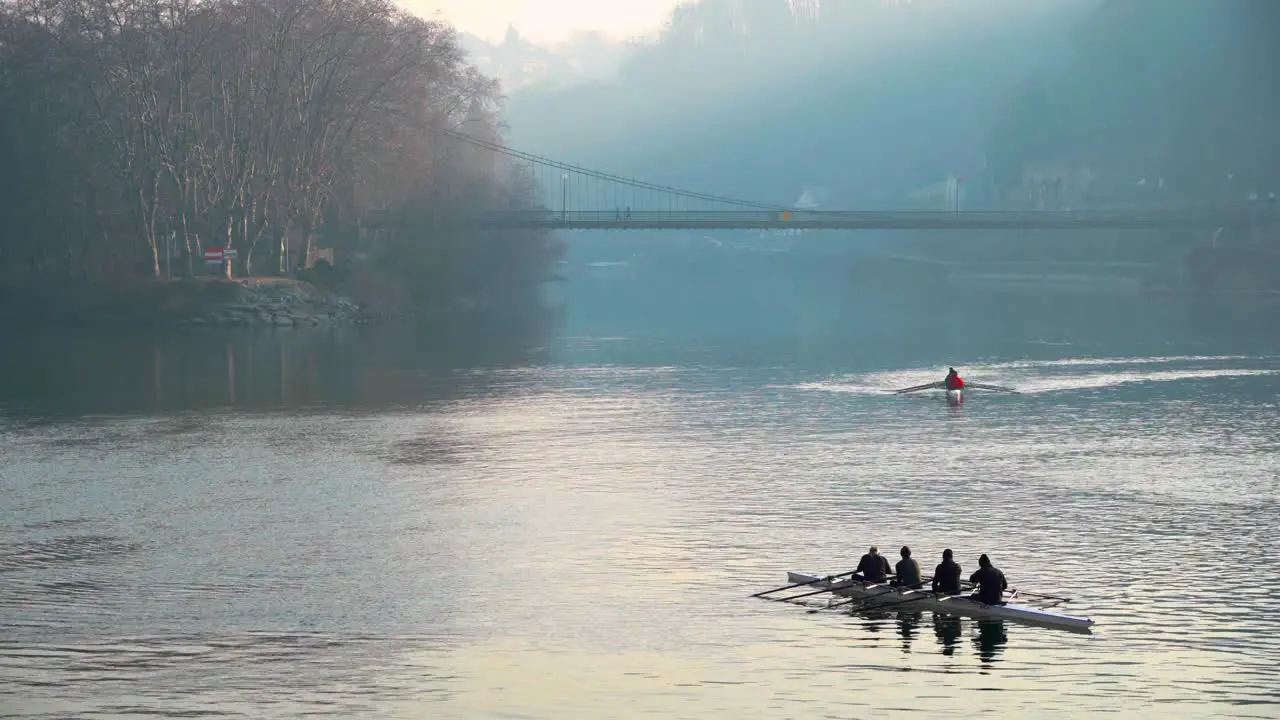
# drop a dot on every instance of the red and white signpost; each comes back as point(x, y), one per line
point(218, 256)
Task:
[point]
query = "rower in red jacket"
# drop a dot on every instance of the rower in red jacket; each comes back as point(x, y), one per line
point(953, 381)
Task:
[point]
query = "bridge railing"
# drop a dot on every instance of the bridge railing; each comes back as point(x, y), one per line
point(1201, 216)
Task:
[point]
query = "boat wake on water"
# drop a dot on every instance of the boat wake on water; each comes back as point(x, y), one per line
point(1038, 377)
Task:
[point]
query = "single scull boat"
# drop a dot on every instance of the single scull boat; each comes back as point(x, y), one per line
point(871, 596)
point(955, 396)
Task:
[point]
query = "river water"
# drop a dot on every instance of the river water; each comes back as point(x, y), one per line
point(358, 525)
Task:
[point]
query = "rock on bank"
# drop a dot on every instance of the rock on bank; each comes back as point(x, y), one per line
point(260, 302)
point(273, 303)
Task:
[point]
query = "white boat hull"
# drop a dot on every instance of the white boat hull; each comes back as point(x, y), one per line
point(874, 595)
point(955, 397)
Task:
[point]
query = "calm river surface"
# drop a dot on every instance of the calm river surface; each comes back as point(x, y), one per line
point(288, 525)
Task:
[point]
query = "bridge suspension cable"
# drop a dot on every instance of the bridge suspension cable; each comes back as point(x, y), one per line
point(580, 172)
point(584, 199)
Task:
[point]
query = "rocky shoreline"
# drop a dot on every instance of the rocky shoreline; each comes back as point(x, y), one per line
point(277, 304)
point(280, 303)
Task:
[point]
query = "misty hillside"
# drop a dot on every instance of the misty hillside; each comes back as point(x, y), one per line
point(759, 99)
point(1162, 101)
point(521, 64)
point(875, 100)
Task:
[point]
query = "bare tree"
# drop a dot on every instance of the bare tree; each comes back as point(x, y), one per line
point(242, 124)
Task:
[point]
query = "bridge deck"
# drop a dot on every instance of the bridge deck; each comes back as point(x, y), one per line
point(875, 220)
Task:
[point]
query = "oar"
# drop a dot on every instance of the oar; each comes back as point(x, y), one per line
point(941, 597)
point(854, 600)
point(996, 388)
point(1014, 591)
point(833, 587)
point(909, 593)
point(912, 595)
point(927, 386)
point(801, 584)
point(908, 596)
point(966, 585)
point(830, 588)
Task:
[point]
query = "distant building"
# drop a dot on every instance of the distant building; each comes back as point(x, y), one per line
point(811, 198)
point(1054, 186)
point(806, 10)
point(950, 194)
point(534, 69)
point(517, 62)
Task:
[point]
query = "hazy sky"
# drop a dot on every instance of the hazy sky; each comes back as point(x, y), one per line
point(548, 20)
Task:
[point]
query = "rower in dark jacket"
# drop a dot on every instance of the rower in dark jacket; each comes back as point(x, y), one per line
point(873, 567)
point(908, 571)
point(946, 577)
point(990, 581)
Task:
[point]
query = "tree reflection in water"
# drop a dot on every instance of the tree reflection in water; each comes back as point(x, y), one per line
point(352, 367)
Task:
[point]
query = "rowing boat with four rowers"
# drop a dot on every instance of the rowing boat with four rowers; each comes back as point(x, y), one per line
point(904, 593)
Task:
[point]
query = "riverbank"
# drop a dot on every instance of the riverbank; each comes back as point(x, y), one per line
point(252, 302)
point(276, 302)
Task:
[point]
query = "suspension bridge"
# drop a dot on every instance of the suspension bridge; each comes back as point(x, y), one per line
point(578, 198)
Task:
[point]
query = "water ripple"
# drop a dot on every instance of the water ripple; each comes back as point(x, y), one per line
point(582, 546)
